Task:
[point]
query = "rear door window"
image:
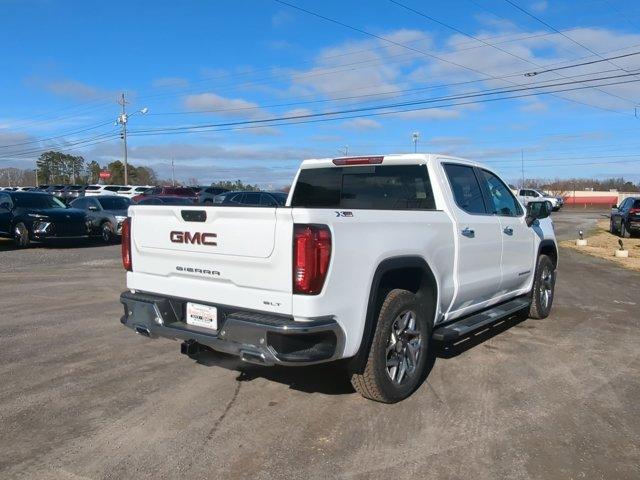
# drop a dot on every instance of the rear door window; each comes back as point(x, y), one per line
point(378, 187)
point(465, 187)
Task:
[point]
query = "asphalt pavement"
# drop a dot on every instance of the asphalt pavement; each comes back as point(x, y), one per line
point(82, 397)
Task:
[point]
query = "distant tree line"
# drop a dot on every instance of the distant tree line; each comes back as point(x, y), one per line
point(57, 167)
point(568, 185)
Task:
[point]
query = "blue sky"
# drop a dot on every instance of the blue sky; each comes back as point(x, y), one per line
point(209, 63)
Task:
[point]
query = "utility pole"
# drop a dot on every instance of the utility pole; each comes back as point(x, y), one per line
point(173, 173)
point(122, 119)
point(415, 136)
point(522, 164)
point(346, 150)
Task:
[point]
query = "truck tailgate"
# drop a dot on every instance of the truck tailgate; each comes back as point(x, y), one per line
point(235, 256)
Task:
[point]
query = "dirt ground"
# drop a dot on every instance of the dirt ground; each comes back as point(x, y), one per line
point(82, 397)
point(603, 244)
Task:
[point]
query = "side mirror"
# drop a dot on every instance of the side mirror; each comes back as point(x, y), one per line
point(93, 208)
point(5, 206)
point(537, 211)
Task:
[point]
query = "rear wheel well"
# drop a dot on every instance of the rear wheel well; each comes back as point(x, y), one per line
point(549, 249)
point(405, 273)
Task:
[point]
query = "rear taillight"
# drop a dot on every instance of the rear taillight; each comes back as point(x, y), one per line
point(126, 244)
point(634, 210)
point(311, 255)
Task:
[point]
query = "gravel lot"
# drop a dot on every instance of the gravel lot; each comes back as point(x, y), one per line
point(83, 397)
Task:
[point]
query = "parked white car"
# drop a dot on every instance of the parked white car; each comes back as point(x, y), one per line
point(371, 260)
point(93, 190)
point(526, 195)
point(131, 191)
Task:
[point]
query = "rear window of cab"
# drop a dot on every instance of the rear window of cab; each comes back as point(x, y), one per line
point(375, 187)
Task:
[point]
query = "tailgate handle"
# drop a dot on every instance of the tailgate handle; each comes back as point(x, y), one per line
point(194, 215)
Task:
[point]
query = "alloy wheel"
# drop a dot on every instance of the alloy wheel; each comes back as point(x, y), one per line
point(546, 288)
point(403, 348)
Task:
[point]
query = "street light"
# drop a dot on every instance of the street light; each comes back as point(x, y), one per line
point(123, 119)
point(415, 136)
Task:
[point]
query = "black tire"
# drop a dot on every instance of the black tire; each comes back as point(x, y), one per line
point(624, 233)
point(21, 235)
point(612, 226)
point(543, 290)
point(379, 381)
point(106, 232)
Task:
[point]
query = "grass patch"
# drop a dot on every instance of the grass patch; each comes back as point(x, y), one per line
point(603, 244)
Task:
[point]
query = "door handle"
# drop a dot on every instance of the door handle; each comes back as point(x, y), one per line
point(467, 232)
point(508, 230)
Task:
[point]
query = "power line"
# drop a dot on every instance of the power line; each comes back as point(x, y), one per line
point(394, 105)
point(72, 132)
point(532, 74)
point(451, 27)
point(393, 93)
point(351, 27)
point(301, 119)
point(551, 27)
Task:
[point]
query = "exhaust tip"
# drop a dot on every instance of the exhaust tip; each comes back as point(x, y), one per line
point(253, 357)
point(141, 330)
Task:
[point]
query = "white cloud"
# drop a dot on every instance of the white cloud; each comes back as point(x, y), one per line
point(208, 152)
point(360, 124)
point(362, 67)
point(430, 114)
point(170, 82)
point(535, 107)
point(281, 18)
point(297, 112)
point(225, 107)
point(75, 89)
point(539, 7)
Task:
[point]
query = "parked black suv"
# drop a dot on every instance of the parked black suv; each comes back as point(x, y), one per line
point(625, 218)
point(35, 216)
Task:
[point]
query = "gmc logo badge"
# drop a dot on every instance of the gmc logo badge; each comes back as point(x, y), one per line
point(199, 238)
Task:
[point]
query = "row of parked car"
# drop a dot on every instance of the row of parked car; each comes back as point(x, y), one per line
point(148, 194)
point(36, 215)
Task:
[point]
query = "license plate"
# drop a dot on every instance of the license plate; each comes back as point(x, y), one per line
point(202, 316)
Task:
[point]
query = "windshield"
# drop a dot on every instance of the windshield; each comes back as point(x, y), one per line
point(37, 200)
point(114, 203)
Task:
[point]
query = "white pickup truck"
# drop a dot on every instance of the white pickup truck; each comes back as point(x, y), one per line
point(371, 260)
point(526, 195)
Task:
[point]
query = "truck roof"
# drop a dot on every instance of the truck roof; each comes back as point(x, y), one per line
point(391, 159)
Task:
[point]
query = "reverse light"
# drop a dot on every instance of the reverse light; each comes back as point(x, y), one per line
point(311, 256)
point(358, 161)
point(126, 245)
